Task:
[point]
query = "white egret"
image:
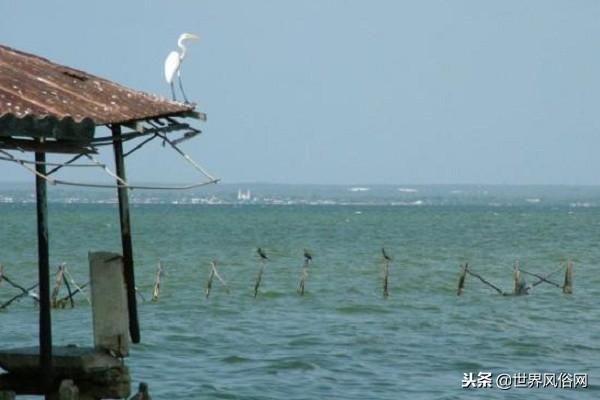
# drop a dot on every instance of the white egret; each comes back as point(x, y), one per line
point(173, 63)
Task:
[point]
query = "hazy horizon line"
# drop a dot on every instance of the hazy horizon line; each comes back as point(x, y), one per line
point(354, 184)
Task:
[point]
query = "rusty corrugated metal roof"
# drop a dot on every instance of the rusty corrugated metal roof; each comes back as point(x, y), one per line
point(41, 98)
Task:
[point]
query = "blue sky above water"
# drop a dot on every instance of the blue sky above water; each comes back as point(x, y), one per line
point(349, 91)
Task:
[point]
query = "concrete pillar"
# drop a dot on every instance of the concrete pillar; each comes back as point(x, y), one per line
point(109, 303)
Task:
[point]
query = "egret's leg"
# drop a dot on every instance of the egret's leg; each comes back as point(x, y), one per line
point(181, 87)
point(173, 91)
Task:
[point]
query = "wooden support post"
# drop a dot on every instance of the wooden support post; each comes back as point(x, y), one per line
point(134, 327)
point(45, 334)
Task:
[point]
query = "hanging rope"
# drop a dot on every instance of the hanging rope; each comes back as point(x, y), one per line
point(49, 164)
point(105, 168)
point(188, 159)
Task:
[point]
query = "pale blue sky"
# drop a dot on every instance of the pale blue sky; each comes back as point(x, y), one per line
point(350, 91)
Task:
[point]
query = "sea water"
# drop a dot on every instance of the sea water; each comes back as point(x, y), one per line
point(342, 339)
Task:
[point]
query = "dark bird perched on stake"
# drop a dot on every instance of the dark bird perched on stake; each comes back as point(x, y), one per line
point(263, 259)
point(307, 260)
point(307, 256)
point(262, 254)
point(385, 255)
point(386, 272)
point(142, 393)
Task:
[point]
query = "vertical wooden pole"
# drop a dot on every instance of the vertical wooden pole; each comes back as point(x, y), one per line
point(461, 279)
point(386, 274)
point(45, 334)
point(568, 285)
point(134, 327)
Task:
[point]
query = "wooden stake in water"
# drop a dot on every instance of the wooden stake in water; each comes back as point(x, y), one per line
point(156, 288)
point(57, 283)
point(214, 273)
point(259, 278)
point(386, 272)
point(211, 275)
point(62, 302)
point(76, 286)
point(516, 277)
point(303, 279)
point(521, 287)
point(568, 286)
point(461, 279)
point(307, 261)
point(263, 260)
point(69, 291)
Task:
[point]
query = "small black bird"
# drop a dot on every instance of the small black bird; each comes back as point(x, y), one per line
point(307, 256)
point(385, 255)
point(262, 254)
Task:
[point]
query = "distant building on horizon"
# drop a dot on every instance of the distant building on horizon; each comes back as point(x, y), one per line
point(244, 196)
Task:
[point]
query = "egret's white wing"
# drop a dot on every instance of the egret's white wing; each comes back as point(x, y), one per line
point(171, 66)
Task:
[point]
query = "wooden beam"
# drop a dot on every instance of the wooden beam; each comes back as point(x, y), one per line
point(45, 147)
point(195, 114)
point(45, 333)
point(128, 269)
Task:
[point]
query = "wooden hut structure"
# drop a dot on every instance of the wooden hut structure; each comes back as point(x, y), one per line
point(50, 108)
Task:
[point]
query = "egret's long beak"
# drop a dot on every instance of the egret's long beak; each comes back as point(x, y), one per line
point(191, 36)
